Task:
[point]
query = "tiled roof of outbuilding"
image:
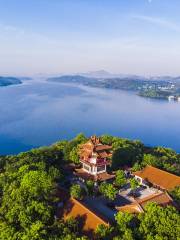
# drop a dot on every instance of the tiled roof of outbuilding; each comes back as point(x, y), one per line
point(87, 219)
point(159, 177)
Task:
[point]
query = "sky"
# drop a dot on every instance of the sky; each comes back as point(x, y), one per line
point(71, 36)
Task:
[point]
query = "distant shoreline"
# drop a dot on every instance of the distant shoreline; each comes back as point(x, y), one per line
point(8, 81)
point(155, 89)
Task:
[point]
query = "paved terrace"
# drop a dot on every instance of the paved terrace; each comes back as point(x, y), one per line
point(99, 204)
point(140, 192)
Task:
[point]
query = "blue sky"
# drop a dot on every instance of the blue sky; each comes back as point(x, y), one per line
point(67, 36)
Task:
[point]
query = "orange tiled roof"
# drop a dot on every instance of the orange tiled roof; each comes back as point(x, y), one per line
point(88, 220)
point(103, 147)
point(130, 208)
point(159, 177)
point(162, 199)
point(94, 146)
point(138, 206)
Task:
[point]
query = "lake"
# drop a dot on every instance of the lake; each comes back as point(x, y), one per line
point(39, 113)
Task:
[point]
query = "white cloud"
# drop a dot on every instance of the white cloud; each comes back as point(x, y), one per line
point(159, 22)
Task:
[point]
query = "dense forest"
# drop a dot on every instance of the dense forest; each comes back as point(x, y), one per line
point(29, 183)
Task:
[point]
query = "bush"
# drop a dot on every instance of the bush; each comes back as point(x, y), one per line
point(108, 190)
point(120, 179)
point(76, 191)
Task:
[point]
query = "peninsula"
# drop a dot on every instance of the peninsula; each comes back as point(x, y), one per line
point(154, 87)
point(6, 81)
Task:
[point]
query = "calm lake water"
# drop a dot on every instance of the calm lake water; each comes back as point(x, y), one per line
point(39, 113)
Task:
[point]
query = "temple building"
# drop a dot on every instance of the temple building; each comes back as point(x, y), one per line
point(94, 156)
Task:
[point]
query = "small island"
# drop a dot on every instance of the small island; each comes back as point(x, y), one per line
point(7, 81)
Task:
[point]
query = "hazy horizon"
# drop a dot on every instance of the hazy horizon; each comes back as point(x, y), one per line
point(139, 37)
point(87, 74)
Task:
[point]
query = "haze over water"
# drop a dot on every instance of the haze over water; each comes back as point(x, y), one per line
point(39, 113)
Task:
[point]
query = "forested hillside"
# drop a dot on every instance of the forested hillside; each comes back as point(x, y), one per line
point(28, 193)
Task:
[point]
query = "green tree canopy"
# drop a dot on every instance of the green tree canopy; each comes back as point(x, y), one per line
point(76, 191)
point(159, 223)
point(104, 232)
point(123, 220)
point(176, 194)
point(120, 179)
point(126, 152)
point(90, 186)
point(108, 190)
point(74, 156)
point(133, 184)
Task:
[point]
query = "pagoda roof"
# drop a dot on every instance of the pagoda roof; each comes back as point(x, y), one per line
point(95, 147)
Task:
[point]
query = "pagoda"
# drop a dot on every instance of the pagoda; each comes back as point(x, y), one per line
point(94, 156)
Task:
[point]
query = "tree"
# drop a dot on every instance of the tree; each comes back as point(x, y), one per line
point(123, 220)
point(125, 226)
point(126, 153)
point(61, 230)
point(159, 223)
point(108, 190)
point(176, 194)
point(107, 139)
point(73, 144)
point(80, 138)
point(128, 235)
point(25, 206)
point(90, 186)
point(2, 163)
point(136, 167)
point(149, 159)
point(133, 184)
point(73, 156)
point(120, 179)
point(76, 191)
point(104, 232)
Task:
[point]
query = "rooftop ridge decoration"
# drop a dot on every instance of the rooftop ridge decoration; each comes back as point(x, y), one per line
point(95, 140)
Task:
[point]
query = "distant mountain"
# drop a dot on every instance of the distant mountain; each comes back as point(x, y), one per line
point(6, 81)
point(74, 79)
point(105, 74)
point(98, 74)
